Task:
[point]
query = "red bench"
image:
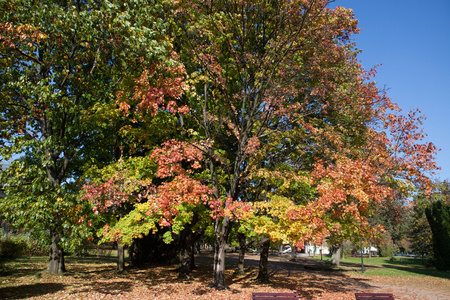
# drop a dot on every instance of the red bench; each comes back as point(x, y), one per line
point(374, 296)
point(274, 296)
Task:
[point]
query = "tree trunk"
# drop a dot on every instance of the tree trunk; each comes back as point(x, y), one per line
point(135, 253)
point(335, 254)
point(184, 269)
point(195, 247)
point(293, 253)
point(120, 258)
point(56, 263)
point(342, 251)
point(187, 248)
point(186, 252)
point(370, 252)
point(242, 249)
point(221, 228)
point(263, 275)
point(193, 251)
point(120, 252)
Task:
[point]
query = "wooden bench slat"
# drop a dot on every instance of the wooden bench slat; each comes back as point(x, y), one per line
point(374, 296)
point(275, 296)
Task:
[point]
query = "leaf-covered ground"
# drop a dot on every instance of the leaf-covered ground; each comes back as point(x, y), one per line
point(94, 278)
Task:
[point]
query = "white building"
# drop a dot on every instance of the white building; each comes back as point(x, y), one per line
point(310, 248)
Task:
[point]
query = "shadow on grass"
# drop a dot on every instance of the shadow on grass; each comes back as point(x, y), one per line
point(90, 259)
point(420, 270)
point(18, 273)
point(30, 290)
point(107, 288)
point(357, 266)
point(404, 264)
point(24, 266)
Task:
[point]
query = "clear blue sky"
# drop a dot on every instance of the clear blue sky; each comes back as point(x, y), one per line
point(411, 39)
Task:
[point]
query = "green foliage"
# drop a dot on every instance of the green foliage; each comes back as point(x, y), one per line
point(420, 231)
point(395, 217)
point(438, 216)
point(386, 246)
point(386, 250)
point(40, 206)
point(37, 243)
point(133, 225)
point(62, 65)
point(13, 246)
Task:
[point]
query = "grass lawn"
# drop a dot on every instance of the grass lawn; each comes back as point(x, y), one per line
point(391, 267)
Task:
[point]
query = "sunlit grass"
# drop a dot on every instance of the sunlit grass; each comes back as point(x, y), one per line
point(391, 267)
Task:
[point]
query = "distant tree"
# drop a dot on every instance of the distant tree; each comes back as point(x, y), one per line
point(395, 217)
point(438, 215)
point(421, 233)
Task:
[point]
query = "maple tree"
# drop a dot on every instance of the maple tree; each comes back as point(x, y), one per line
point(112, 191)
point(383, 174)
point(61, 65)
point(158, 194)
point(254, 68)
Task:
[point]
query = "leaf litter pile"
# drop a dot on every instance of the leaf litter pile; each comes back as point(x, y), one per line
point(95, 278)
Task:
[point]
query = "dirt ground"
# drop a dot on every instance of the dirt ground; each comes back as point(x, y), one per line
point(91, 278)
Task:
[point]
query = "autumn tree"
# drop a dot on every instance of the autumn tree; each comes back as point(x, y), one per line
point(62, 64)
point(162, 190)
point(255, 68)
point(258, 68)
